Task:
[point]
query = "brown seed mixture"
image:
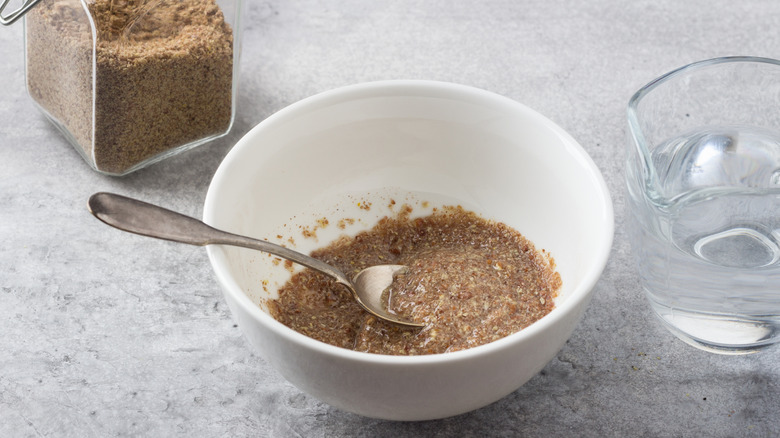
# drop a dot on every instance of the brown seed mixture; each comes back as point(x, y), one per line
point(470, 280)
point(162, 68)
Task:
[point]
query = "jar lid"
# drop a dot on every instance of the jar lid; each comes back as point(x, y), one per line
point(17, 14)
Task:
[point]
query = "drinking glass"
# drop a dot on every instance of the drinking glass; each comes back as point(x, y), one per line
point(703, 185)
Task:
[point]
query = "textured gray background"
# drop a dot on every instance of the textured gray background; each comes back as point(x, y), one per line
point(103, 333)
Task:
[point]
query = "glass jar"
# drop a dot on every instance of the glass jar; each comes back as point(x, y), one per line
point(131, 82)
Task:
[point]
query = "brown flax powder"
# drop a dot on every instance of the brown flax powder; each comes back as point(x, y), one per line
point(162, 71)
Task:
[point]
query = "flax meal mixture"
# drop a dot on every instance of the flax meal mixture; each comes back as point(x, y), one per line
point(162, 75)
point(470, 280)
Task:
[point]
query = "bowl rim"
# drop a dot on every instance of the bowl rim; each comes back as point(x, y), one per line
point(425, 88)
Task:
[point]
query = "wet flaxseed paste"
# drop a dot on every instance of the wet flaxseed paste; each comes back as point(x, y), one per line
point(470, 280)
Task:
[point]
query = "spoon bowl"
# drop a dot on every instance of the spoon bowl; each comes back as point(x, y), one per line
point(134, 216)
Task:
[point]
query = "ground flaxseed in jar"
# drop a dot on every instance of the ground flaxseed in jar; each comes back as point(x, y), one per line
point(162, 72)
point(470, 281)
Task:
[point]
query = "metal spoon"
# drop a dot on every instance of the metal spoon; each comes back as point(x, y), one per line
point(142, 218)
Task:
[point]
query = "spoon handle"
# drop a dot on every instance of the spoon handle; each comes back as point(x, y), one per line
point(146, 219)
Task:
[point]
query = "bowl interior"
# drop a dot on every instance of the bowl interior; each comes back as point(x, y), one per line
point(337, 162)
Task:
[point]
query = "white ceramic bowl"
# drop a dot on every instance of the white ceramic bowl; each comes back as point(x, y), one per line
point(426, 144)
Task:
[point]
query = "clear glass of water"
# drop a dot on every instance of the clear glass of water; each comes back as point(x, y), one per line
point(703, 180)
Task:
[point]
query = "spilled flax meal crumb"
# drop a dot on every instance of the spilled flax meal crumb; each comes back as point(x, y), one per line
point(162, 75)
point(471, 281)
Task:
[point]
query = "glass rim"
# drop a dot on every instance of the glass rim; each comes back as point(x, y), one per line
point(635, 131)
point(639, 94)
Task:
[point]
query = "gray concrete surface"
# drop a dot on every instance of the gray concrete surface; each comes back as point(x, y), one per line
point(107, 334)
